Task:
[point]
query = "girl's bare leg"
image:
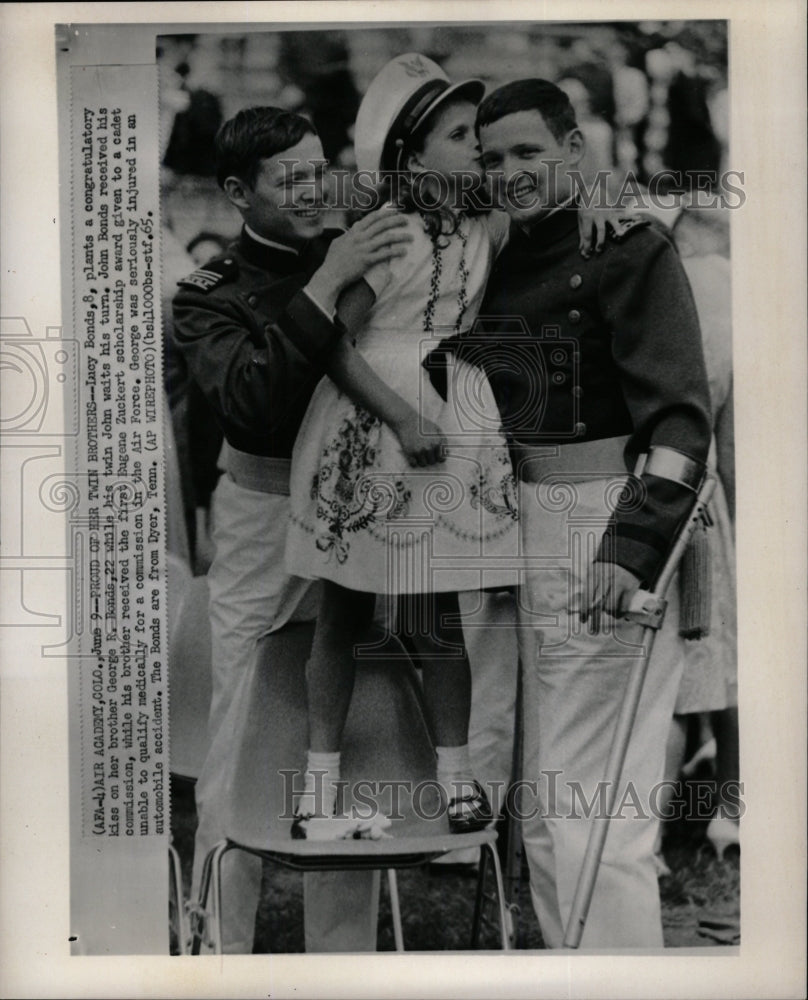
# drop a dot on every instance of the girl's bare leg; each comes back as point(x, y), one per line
point(434, 635)
point(344, 615)
point(439, 649)
point(330, 672)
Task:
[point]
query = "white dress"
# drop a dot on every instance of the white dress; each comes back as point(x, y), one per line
point(360, 515)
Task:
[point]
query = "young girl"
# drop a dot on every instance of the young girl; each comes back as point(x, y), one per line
point(394, 490)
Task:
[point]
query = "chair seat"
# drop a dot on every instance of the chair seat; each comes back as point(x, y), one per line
point(388, 853)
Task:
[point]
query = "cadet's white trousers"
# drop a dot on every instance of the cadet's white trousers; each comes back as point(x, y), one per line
point(573, 684)
point(250, 595)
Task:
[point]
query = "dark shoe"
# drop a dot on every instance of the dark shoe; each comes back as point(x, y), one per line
point(299, 824)
point(470, 812)
point(308, 808)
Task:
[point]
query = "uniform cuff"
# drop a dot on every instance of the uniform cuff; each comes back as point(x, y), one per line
point(641, 539)
point(642, 559)
point(329, 308)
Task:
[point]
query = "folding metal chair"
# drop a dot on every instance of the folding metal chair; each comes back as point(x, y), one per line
point(385, 741)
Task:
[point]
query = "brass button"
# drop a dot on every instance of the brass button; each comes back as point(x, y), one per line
point(580, 429)
point(576, 281)
point(574, 316)
point(577, 391)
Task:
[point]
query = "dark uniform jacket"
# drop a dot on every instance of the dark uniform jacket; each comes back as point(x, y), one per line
point(613, 348)
point(254, 343)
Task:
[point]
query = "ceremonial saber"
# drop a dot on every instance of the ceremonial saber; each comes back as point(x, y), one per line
point(647, 609)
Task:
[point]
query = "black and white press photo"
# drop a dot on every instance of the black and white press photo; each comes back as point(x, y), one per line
point(402, 540)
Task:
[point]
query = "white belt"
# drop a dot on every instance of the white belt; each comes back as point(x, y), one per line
point(258, 472)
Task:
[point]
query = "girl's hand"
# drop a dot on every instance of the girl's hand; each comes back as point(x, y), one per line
point(592, 223)
point(422, 441)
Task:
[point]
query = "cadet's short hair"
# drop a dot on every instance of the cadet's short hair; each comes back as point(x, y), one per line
point(255, 134)
point(530, 95)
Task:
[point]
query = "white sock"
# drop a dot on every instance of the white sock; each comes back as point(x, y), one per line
point(319, 787)
point(454, 770)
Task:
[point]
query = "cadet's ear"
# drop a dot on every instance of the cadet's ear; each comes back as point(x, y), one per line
point(414, 164)
point(236, 190)
point(576, 146)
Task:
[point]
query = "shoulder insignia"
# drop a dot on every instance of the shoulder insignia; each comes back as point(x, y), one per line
point(212, 275)
point(618, 231)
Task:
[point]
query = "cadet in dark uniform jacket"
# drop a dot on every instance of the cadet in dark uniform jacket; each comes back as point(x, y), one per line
point(255, 327)
point(620, 338)
point(592, 363)
point(255, 342)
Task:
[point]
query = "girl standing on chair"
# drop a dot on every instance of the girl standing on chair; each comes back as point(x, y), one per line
point(395, 490)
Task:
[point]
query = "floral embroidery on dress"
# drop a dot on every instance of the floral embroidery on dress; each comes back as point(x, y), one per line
point(498, 498)
point(348, 499)
point(435, 279)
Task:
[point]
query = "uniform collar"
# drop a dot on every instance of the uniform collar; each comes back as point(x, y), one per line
point(556, 225)
point(270, 256)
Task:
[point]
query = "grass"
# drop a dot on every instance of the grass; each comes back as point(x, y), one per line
point(437, 905)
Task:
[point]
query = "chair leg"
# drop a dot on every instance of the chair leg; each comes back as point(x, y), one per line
point(512, 876)
point(183, 928)
point(216, 892)
point(197, 909)
point(208, 918)
point(505, 915)
point(395, 909)
point(479, 901)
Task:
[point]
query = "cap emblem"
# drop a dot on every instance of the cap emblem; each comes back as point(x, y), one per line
point(414, 66)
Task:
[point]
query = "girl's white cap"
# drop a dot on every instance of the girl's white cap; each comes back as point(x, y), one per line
point(399, 99)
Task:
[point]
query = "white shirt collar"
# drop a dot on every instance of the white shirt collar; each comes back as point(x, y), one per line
point(269, 243)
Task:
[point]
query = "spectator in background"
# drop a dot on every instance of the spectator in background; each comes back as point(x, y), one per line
point(597, 80)
point(709, 680)
point(318, 64)
point(631, 103)
point(206, 245)
point(597, 132)
point(692, 144)
point(190, 145)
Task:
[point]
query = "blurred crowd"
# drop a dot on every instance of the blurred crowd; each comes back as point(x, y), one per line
point(649, 95)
